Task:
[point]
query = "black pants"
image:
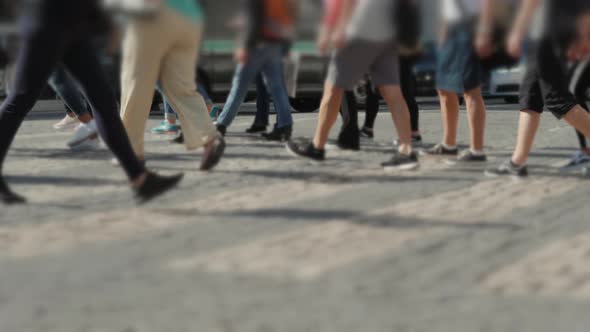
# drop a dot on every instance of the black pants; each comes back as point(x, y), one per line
point(349, 133)
point(579, 77)
point(45, 43)
point(408, 86)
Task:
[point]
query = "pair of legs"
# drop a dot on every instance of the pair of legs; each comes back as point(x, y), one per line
point(476, 113)
point(42, 49)
point(266, 60)
point(171, 62)
point(68, 91)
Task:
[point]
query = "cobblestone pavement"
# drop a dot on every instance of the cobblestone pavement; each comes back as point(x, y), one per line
point(270, 243)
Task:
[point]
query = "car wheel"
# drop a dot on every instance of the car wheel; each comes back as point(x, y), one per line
point(305, 105)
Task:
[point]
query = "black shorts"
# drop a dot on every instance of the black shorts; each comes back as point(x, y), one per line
point(545, 83)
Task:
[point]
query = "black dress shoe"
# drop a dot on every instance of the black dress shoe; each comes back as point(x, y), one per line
point(179, 139)
point(256, 129)
point(279, 134)
point(213, 153)
point(155, 185)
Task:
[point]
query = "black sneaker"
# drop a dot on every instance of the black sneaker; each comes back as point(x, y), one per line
point(279, 134)
point(401, 162)
point(367, 133)
point(9, 197)
point(305, 149)
point(416, 141)
point(440, 150)
point(256, 129)
point(155, 185)
point(213, 153)
point(468, 156)
point(179, 139)
point(507, 168)
point(221, 129)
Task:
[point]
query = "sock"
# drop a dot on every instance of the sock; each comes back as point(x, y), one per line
point(449, 147)
point(477, 153)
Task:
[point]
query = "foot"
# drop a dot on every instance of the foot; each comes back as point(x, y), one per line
point(279, 134)
point(67, 123)
point(165, 127)
point(221, 129)
point(416, 141)
point(580, 160)
point(508, 168)
point(84, 132)
point(179, 139)
point(155, 185)
point(256, 129)
point(367, 133)
point(305, 149)
point(468, 156)
point(440, 150)
point(213, 153)
point(9, 197)
point(401, 162)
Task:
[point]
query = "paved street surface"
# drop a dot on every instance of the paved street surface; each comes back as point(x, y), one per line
point(269, 243)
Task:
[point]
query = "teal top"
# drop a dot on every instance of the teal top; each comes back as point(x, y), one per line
point(189, 8)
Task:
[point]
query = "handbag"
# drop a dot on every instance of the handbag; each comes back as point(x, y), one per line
point(140, 8)
point(499, 32)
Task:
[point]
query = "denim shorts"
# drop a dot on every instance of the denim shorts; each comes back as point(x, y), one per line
point(458, 67)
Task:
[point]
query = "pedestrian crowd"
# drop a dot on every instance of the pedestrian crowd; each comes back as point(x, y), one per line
point(376, 42)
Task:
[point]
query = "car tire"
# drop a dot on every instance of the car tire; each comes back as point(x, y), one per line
point(305, 105)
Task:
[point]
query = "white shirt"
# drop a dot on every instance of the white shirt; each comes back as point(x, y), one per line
point(371, 20)
point(452, 12)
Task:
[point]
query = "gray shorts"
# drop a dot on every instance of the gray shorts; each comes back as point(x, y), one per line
point(359, 57)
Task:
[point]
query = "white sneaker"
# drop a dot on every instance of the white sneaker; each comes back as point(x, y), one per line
point(578, 161)
point(67, 123)
point(89, 144)
point(84, 132)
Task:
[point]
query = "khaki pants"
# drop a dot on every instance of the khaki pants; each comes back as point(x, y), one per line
point(163, 49)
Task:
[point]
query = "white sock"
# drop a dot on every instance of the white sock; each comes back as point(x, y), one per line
point(449, 147)
point(91, 125)
point(477, 153)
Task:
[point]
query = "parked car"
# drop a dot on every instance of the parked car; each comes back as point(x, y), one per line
point(505, 82)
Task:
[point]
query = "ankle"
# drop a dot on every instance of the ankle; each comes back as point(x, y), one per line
point(139, 181)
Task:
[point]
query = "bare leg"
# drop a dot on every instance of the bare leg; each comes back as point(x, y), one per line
point(449, 108)
point(400, 114)
point(527, 128)
point(579, 119)
point(329, 108)
point(476, 111)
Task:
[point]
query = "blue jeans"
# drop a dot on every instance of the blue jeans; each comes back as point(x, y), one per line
point(67, 89)
point(169, 111)
point(265, 59)
point(262, 102)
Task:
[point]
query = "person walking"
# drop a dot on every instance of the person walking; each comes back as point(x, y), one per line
point(164, 49)
point(364, 39)
point(459, 71)
point(559, 29)
point(54, 32)
point(270, 25)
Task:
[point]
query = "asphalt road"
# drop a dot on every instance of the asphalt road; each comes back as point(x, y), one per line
point(270, 243)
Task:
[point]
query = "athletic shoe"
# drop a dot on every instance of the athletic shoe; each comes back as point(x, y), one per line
point(416, 141)
point(468, 156)
point(279, 134)
point(367, 133)
point(213, 153)
point(401, 162)
point(579, 160)
point(221, 129)
point(84, 132)
point(305, 149)
point(179, 139)
point(440, 150)
point(256, 129)
point(9, 197)
point(155, 185)
point(67, 123)
point(507, 168)
point(165, 127)
point(89, 144)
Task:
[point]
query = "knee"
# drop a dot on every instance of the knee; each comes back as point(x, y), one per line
point(446, 96)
